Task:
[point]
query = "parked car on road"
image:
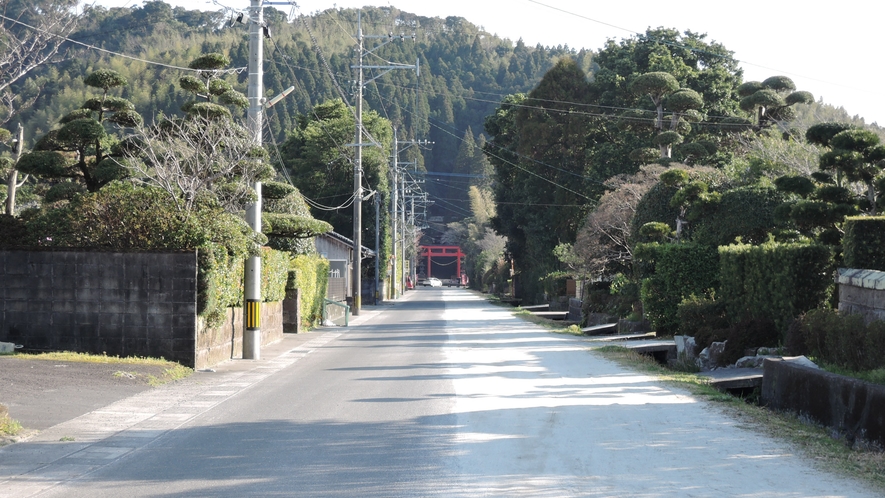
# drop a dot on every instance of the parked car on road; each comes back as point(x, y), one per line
point(433, 282)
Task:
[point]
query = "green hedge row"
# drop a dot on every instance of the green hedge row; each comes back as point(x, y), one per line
point(774, 280)
point(675, 272)
point(839, 340)
point(863, 242)
point(274, 274)
point(309, 273)
point(220, 280)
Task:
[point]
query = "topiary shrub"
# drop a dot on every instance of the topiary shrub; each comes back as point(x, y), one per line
point(745, 212)
point(843, 340)
point(13, 231)
point(863, 242)
point(654, 207)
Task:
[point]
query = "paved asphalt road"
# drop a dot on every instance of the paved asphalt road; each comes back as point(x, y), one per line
point(440, 394)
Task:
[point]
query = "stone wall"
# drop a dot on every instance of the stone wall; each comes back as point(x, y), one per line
point(862, 292)
point(226, 341)
point(117, 303)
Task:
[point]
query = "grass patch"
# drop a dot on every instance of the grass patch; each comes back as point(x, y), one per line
point(9, 427)
point(172, 371)
point(176, 372)
point(876, 376)
point(94, 358)
point(813, 441)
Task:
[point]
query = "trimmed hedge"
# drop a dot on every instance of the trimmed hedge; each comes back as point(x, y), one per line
point(774, 280)
point(274, 274)
point(746, 212)
point(220, 280)
point(679, 271)
point(863, 242)
point(700, 315)
point(292, 225)
point(309, 273)
point(840, 340)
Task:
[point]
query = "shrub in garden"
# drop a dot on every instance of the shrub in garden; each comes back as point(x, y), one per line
point(863, 242)
point(705, 337)
point(679, 271)
point(843, 340)
point(700, 315)
point(745, 212)
point(309, 273)
point(13, 231)
point(778, 281)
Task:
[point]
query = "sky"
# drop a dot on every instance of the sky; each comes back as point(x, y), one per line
point(828, 49)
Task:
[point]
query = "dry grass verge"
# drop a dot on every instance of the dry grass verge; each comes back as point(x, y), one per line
point(9, 428)
point(171, 371)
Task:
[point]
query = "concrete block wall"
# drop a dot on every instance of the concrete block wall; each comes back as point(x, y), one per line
point(117, 303)
point(862, 292)
point(126, 304)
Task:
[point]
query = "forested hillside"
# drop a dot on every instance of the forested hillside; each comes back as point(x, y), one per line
point(465, 72)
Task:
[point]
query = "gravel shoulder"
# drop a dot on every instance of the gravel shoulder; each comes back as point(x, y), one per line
point(41, 393)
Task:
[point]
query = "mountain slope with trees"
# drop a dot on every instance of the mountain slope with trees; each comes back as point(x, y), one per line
point(465, 71)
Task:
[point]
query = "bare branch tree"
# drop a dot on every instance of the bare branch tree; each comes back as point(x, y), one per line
point(603, 243)
point(197, 158)
point(31, 34)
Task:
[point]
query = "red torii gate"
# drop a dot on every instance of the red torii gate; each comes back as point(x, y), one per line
point(430, 252)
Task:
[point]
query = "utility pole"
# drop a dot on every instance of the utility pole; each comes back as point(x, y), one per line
point(402, 181)
point(258, 30)
point(377, 241)
point(399, 185)
point(393, 211)
point(356, 279)
point(358, 156)
point(252, 284)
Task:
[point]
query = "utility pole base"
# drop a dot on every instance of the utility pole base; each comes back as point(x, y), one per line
point(252, 345)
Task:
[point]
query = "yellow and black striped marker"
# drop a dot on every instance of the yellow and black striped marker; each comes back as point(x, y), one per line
point(253, 314)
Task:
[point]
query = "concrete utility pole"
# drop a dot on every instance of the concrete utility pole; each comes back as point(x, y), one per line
point(399, 184)
point(255, 93)
point(402, 181)
point(377, 242)
point(356, 279)
point(393, 169)
point(358, 156)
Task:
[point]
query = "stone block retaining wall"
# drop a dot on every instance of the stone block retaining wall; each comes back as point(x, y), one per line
point(862, 292)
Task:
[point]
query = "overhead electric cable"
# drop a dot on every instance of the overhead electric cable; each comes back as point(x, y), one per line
point(236, 70)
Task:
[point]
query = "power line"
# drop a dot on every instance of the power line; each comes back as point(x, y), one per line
point(237, 70)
